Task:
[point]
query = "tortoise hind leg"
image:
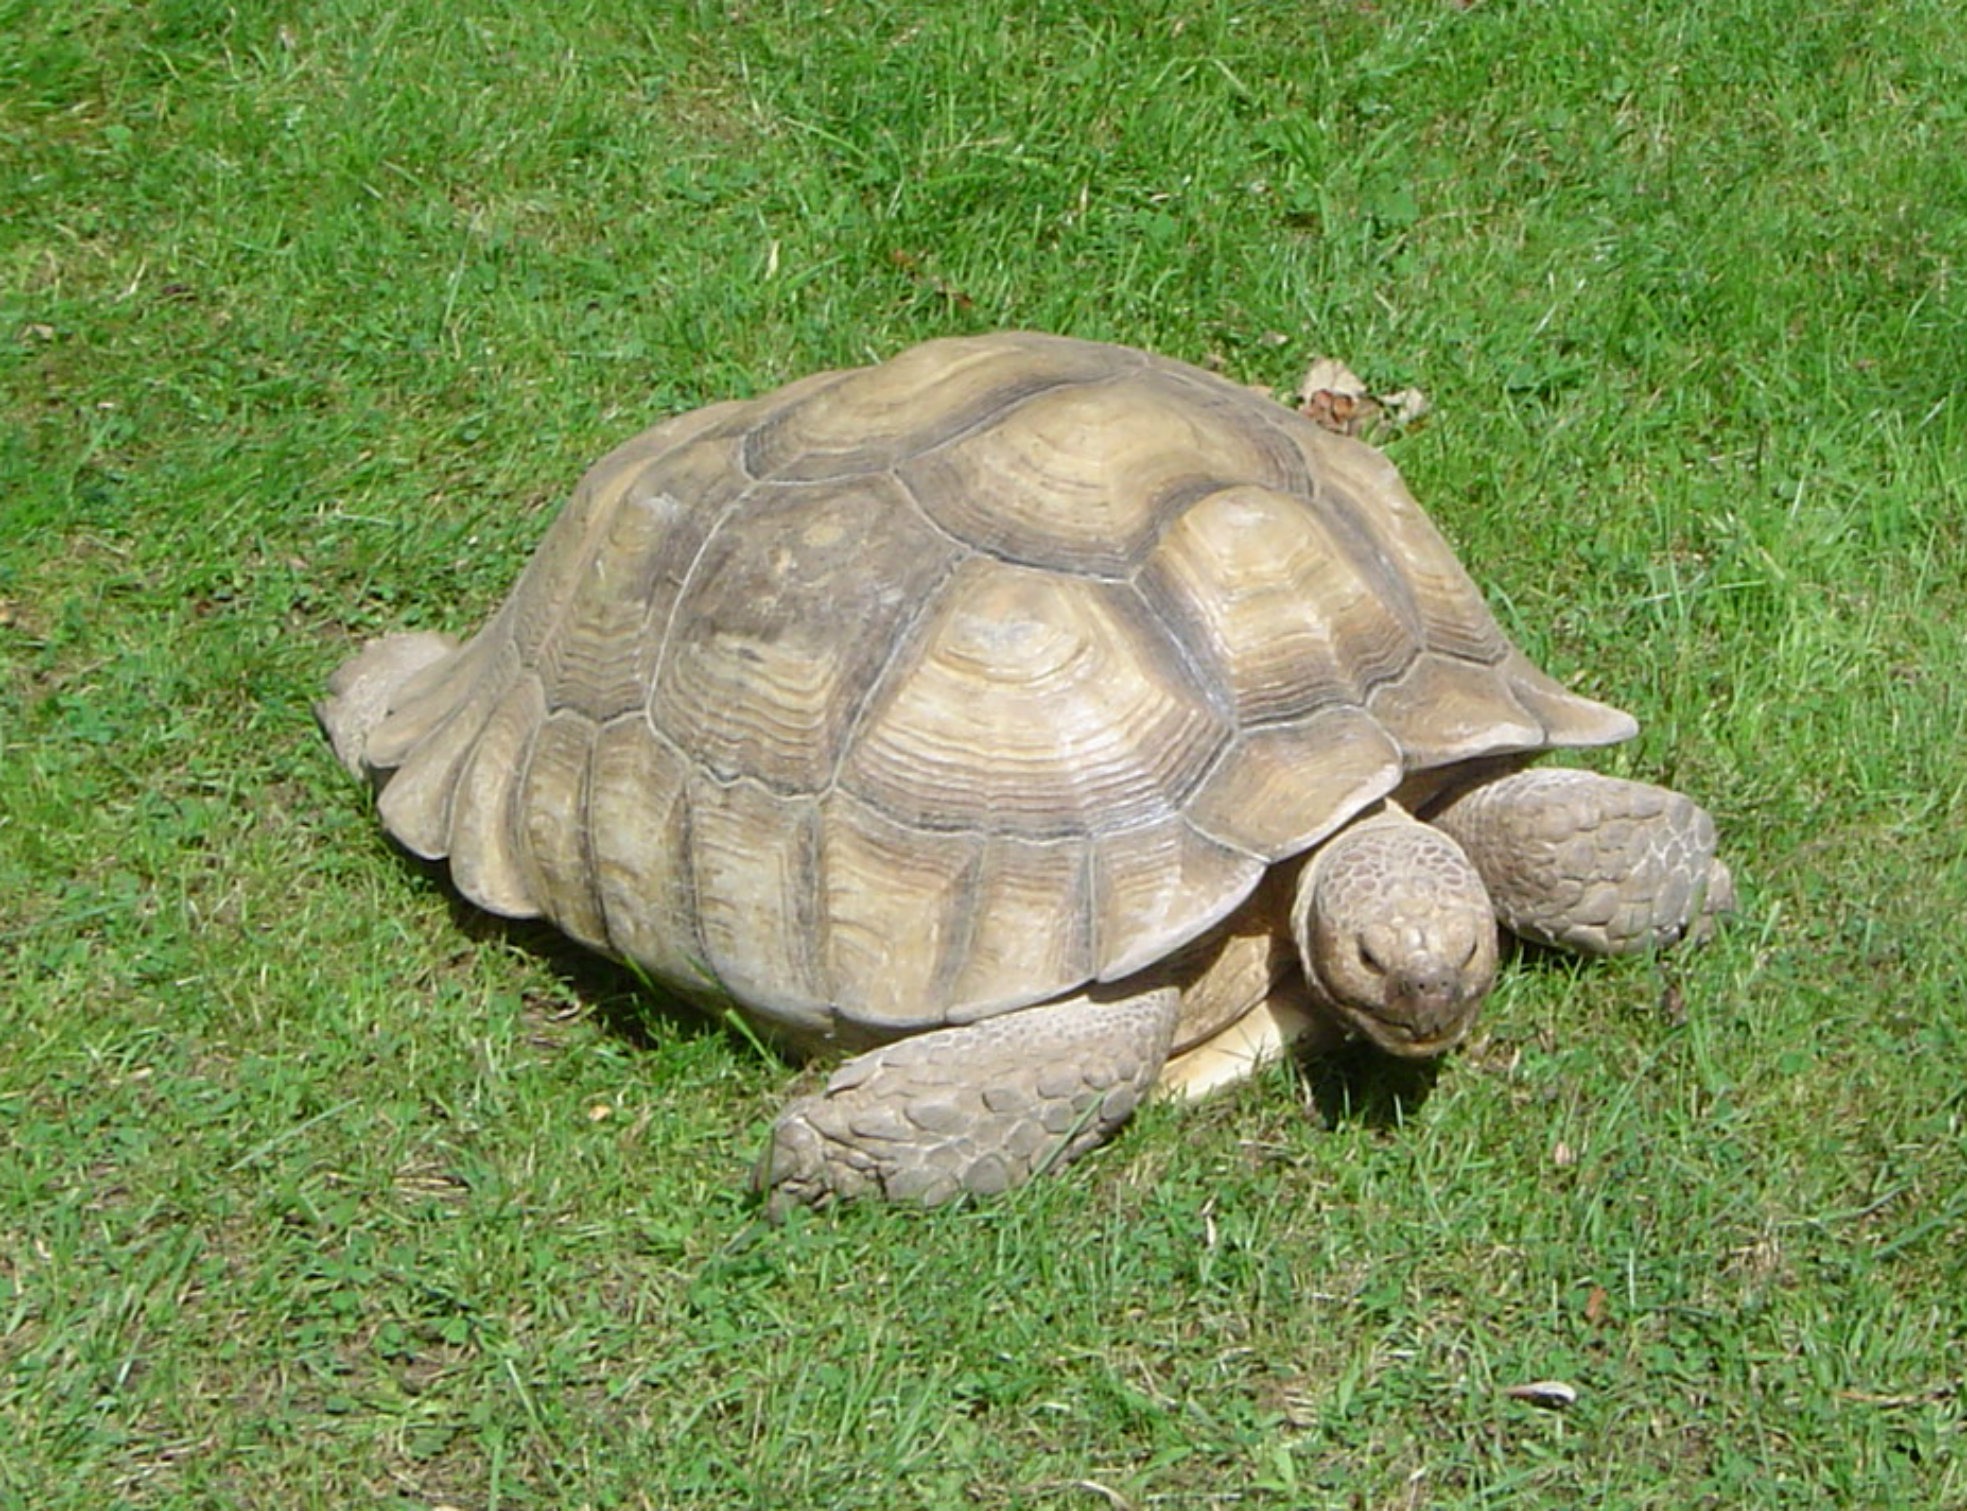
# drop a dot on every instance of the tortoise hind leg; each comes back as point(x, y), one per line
point(1592, 863)
point(360, 692)
point(970, 1110)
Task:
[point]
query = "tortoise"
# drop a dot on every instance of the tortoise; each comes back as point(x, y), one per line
point(1036, 720)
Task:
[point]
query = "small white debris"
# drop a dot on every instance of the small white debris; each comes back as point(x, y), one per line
point(1551, 1395)
point(1405, 407)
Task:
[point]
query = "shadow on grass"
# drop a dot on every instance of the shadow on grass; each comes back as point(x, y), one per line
point(624, 1004)
point(1361, 1086)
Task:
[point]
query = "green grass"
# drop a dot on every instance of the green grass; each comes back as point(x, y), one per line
point(316, 1190)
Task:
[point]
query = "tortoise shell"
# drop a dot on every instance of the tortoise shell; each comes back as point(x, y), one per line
point(913, 694)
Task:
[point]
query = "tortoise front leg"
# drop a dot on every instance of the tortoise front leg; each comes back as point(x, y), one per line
point(970, 1110)
point(1592, 863)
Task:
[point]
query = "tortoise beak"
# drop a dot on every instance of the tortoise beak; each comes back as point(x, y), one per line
point(1426, 1014)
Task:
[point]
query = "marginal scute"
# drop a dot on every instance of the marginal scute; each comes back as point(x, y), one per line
point(1031, 932)
point(1570, 721)
point(555, 826)
point(1281, 788)
point(1444, 711)
point(428, 699)
point(639, 839)
point(481, 839)
point(1156, 887)
point(793, 608)
point(895, 905)
point(1081, 479)
point(1036, 704)
point(753, 865)
point(416, 804)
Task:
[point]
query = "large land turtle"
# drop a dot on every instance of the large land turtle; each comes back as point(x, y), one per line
point(1038, 720)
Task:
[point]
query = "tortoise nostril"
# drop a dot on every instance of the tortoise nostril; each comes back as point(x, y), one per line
point(1426, 984)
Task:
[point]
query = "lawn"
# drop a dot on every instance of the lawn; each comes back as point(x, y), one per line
point(319, 1190)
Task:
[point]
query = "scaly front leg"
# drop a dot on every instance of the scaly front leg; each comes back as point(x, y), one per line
point(1590, 862)
point(971, 1110)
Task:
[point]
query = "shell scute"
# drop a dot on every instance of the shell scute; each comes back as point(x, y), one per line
point(792, 608)
point(1036, 704)
point(1157, 887)
point(872, 418)
point(637, 829)
point(1082, 478)
point(555, 825)
point(1030, 926)
point(1285, 612)
point(893, 904)
point(753, 874)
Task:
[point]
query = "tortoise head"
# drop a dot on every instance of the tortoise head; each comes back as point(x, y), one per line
point(1397, 933)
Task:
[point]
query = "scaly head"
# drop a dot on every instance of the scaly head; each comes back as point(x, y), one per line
point(1396, 932)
